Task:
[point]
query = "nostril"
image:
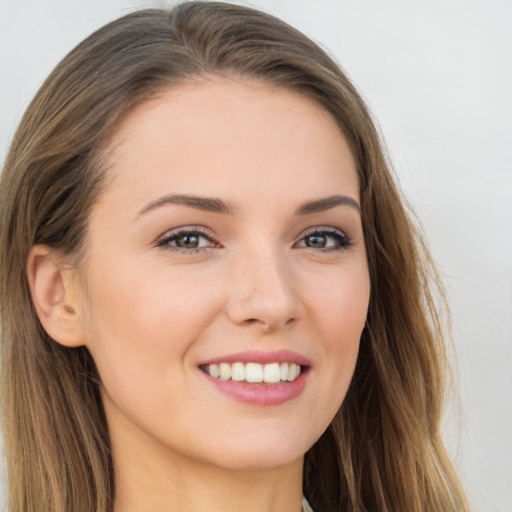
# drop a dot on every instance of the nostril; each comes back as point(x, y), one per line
point(250, 321)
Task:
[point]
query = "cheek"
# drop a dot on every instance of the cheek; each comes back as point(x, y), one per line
point(143, 321)
point(340, 305)
point(339, 310)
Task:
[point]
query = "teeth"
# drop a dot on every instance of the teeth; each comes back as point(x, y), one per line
point(253, 372)
point(225, 371)
point(214, 370)
point(284, 371)
point(238, 371)
point(293, 371)
point(271, 373)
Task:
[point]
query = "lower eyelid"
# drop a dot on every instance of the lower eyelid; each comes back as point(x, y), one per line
point(166, 240)
point(339, 236)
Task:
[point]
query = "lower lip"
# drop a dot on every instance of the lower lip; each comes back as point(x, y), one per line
point(260, 393)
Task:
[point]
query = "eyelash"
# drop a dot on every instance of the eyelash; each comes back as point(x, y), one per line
point(165, 242)
point(342, 241)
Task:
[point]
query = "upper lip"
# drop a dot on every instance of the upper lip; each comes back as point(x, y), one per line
point(256, 356)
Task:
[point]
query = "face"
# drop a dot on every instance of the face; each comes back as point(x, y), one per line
point(226, 277)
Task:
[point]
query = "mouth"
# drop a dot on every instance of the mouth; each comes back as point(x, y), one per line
point(259, 378)
point(252, 372)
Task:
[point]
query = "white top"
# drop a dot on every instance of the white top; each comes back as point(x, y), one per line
point(306, 507)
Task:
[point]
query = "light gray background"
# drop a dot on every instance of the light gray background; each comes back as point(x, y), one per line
point(438, 76)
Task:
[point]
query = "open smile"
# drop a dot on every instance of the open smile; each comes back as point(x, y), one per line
point(259, 378)
point(270, 373)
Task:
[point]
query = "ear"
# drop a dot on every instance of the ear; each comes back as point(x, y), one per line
point(54, 289)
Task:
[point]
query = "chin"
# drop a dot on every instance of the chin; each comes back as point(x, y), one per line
point(259, 455)
point(259, 462)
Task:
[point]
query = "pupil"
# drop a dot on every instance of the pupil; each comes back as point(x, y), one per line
point(188, 241)
point(316, 241)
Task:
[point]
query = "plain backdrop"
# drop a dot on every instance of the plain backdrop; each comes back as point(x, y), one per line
point(437, 74)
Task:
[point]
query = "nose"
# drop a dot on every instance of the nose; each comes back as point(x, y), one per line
point(263, 293)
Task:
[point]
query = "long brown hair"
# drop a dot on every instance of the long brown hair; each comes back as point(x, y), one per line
point(383, 450)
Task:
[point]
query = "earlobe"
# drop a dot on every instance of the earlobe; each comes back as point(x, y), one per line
point(54, 294)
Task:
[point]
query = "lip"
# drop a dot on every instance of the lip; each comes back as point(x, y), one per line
point(261, 394)
point(255, 356)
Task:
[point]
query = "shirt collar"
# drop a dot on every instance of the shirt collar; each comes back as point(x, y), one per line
point(306, 507)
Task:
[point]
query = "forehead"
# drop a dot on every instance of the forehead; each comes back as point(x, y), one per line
point(232, 134)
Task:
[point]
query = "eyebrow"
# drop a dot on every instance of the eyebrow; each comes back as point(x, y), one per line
point(321, 205)
point(215, 205)
point(207, 204)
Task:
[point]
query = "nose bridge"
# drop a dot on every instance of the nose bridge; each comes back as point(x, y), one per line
point(263, 290)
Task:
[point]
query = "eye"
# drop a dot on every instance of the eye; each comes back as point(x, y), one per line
point(325, 239)
point(191, 240)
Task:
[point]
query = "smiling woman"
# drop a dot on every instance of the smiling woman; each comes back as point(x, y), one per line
point(212, 297)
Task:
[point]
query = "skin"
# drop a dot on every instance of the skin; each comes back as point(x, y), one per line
point(151, 313)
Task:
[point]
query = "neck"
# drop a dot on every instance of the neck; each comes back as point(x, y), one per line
point(157, 485)
point(212, 491)
point(154, 478)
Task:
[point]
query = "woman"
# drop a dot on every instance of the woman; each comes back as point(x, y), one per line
point(212, 296)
